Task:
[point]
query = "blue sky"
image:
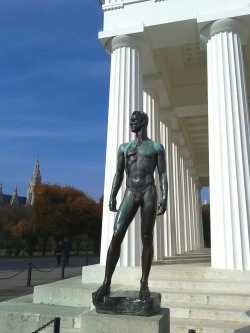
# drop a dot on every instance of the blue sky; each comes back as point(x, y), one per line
point(54, 85)
point(54, 81)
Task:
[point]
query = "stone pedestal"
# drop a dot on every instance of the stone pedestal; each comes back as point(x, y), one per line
point(129, 303)
point(93, 322)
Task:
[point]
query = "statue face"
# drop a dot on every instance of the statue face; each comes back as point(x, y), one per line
point(136, 123)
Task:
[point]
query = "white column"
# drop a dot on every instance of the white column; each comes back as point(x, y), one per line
point(124, 98)
point(186, 198)
point(191, 205)
point(229, 145)
point(198, 214)
point(151, 99)
point(169, 221)
point(178, 194)
point(196, 221)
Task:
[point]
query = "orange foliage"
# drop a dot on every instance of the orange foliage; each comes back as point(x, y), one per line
point(59, 211)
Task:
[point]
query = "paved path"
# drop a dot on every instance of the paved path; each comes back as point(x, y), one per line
point(14, 273)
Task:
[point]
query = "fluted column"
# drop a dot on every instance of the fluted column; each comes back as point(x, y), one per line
point(151, 100)
point(169, 220)
point(185, 197)
point(229, 145)
point(191, 205)
point(198, 214)
point(178, 193)
point(124, 98)
point(196, 236)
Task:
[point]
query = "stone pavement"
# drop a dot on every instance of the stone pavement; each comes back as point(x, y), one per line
point(14, 273)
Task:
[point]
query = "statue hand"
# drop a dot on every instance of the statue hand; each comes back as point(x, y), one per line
point(162, 207)
point(112, 205)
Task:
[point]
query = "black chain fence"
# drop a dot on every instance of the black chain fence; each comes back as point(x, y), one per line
point(30, 267)
point(56, 322)
point(87, 261)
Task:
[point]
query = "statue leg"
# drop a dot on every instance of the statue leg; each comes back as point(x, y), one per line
point(124, 217)
point(148, 215)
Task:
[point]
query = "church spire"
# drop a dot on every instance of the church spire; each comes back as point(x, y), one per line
point(34, 180)
point(14, 199)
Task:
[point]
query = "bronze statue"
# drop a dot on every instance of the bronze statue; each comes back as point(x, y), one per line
point(138, 158)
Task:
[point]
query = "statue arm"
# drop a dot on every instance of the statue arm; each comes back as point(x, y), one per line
point(161, 165)
point(118, 178)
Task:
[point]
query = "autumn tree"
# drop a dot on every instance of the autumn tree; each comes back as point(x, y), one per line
point(63, 211)
point(98, 229)
point(24, 234)
point(10, 217)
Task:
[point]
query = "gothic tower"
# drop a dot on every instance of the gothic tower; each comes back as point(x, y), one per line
point(34, 180)
point(14, 199)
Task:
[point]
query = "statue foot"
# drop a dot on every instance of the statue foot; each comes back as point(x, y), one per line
point(144, 290)
point(101, 292)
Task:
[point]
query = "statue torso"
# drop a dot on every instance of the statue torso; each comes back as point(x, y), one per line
point(140, 163)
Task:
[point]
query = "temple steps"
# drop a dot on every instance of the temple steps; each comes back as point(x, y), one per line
point(21, 315)
point(208, 326)
point(223, 286)
point(199, 298)
point(203, 299)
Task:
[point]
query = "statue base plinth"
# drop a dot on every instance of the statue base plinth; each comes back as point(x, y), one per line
point(129, 303)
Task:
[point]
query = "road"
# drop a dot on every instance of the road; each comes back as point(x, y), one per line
point(14, 273)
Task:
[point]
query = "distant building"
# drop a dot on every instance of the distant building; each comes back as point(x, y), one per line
point(15, 199)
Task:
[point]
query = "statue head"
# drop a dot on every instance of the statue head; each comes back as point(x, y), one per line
point(138, 120)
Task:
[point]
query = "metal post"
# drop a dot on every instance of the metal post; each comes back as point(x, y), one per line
point(29, 274)
point(57, 325)
point(63, 267)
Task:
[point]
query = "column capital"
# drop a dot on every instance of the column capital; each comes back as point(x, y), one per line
point(185, 152)
point(152, 82)
point(169, 116)
point(193, 171)
point(124, 41)
point(224, 25)
point(178, 137)
point(197, 182)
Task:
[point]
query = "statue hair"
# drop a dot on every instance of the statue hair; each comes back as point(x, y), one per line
point(142, 116)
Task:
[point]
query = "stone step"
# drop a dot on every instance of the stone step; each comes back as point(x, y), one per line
point(196, 272)
point(131, 275)
point(201, 298)
point(206, 326)
point(21, 315)
point(221, 286)
point(70, 292)
point(210, 312)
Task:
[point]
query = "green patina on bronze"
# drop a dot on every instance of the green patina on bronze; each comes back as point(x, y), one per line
point(139, 159)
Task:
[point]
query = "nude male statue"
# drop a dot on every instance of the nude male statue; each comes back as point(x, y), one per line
point(138, 158)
